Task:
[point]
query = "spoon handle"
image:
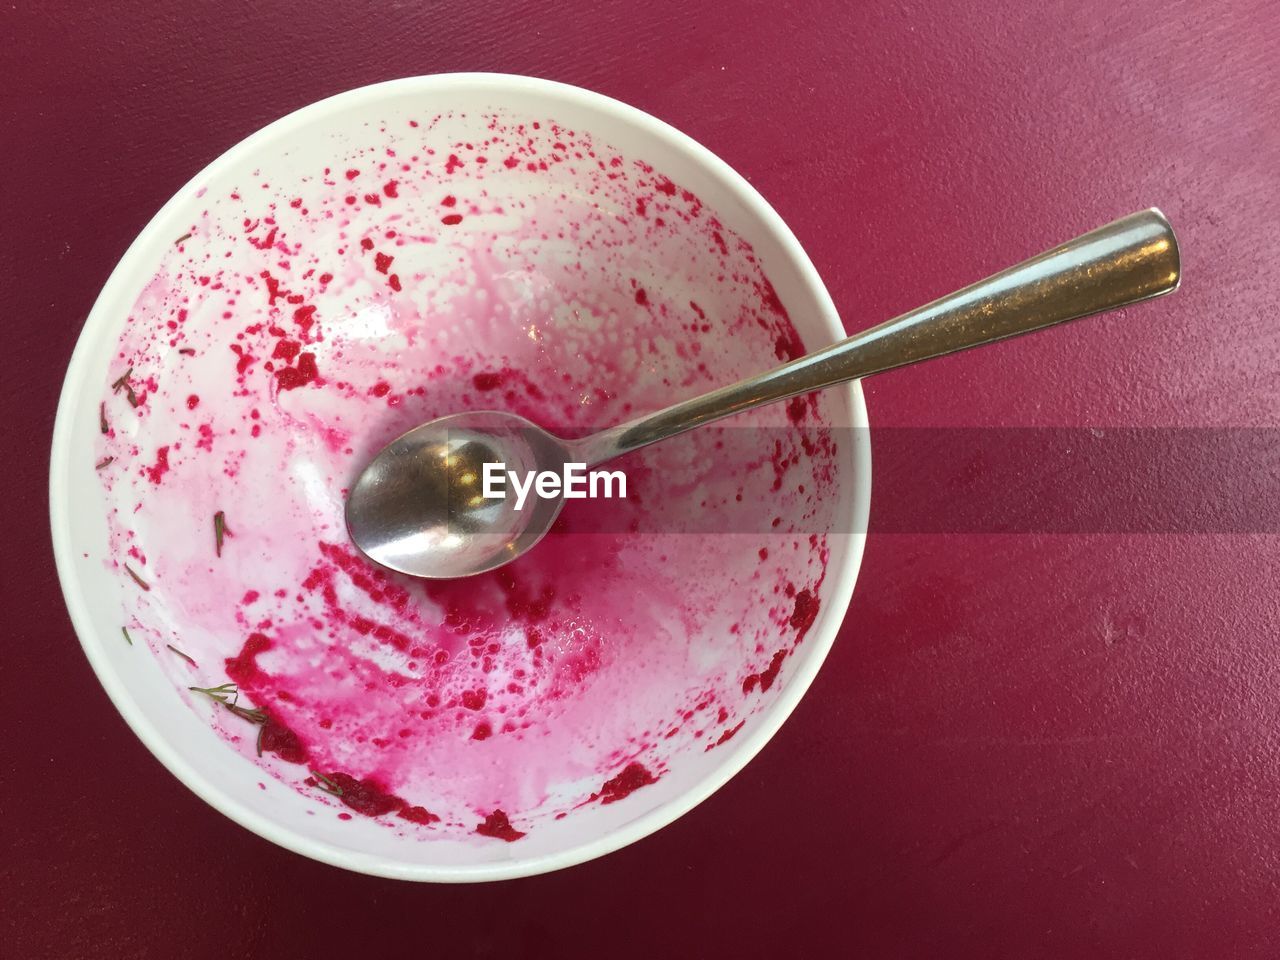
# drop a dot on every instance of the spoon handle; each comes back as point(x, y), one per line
point(1131, 259)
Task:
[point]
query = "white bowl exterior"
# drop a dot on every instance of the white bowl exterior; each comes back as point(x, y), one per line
point(188, 746)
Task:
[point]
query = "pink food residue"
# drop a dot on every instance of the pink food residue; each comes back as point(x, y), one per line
point(626, 783)
point(463, 263)
point(498, 826)
point(155, 472)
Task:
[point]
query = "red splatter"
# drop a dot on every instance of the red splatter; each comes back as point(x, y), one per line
point(474, 699)
point(726, 736)
point(352, 174)
point(267, 242)
point(418, 815)
point(788, 346)
point(765, 677)
point(245, 359)
point(380, 389)
point(290, 378)
point(449, 201)
point(642, 298)
point(806, 611)
point(307, 366)
point(631, 779)
point(368, 796)
point(193, 401)
point(640, 206)
point(769, 297)
point(498, 826)
point(488, 381)
point(157, 472)
point(391, 188)
point(522, 602)
point(372, 582)
point(453, 163)
point(286, 350)
point(366, 244)
point(243, 667)
point(666, 186)
point(276, 738)
point(452, 220)
point(250, 596)
point(394, 282)
point(305, 317)
point(483, 731)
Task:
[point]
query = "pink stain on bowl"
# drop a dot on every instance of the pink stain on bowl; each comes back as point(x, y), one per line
point(306, 322)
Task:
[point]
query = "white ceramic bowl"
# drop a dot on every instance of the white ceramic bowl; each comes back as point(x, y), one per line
point(141, 680)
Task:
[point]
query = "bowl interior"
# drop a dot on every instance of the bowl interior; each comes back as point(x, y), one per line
point(396, 254)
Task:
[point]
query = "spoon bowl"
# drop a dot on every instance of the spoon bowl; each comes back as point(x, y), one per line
point(419, 507)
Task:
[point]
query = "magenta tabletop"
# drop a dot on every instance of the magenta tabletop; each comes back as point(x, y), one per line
point(1024, 743)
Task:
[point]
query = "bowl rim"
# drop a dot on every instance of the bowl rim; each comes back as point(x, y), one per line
point(842, 580)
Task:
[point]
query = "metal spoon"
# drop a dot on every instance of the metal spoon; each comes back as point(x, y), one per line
point(418, 508)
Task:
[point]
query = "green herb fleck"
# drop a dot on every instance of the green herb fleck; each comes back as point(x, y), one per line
point(104, 462)
point(187, 351)
point(125, 631)
point(122, 382)
point(182, 655)
point(247, 713)
point(221, 694)
point(327, 785)
point(136, 579)
point(102, 417)
point(220, 531)
point(182, 239)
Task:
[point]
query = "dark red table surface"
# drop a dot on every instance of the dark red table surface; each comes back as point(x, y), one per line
point(1022, 745)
